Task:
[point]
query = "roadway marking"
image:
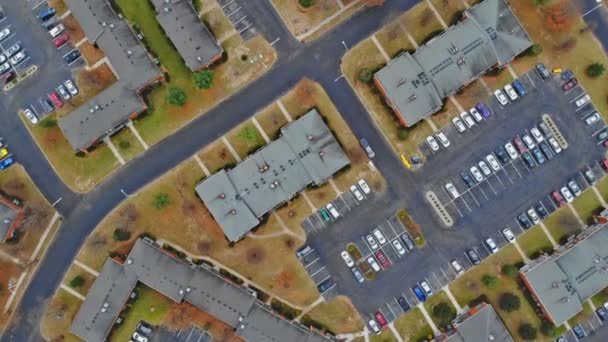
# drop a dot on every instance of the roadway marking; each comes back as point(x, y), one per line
point(591, 10)
point(275, 41)
point(529, 78)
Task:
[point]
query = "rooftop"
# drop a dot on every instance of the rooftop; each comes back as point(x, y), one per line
point(9, 218)
point(479, 324)
point(489, 35)
point(179, 281)
point(306, 153)
point(131, 64)
point(575, 272)
point(187, 32)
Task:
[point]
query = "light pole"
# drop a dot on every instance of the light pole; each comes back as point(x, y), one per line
point(345, 47)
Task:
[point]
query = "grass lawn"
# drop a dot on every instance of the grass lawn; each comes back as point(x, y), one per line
point(75, 271)
point(245, 139)
point(472, 93)
point(127, 144)
point(299, 20)
point(498, 81)
point(602, 187)
point(219, 25)
point(600, 298)
point(58, 316)
point(182, 316)
point(10, 271)
point(216, 156)
point(562, 224)
point(271, 119)
point(385, 336)
point(444, 117)
point(587, 205)
point(586, 312)
point(292, 214)
point(413, 327)
point(393, 38)
point(150, 306)
point(429, 305)
point(420, 22)
point(339, 315)
point(59, 6)
point(533, 241)
point(449, 10)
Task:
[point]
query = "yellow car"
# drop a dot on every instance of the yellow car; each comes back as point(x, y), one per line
point(405, 161)
point(3, 153)
point(557, 70)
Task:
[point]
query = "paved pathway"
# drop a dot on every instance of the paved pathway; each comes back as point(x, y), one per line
point(231, 149)
point(548, 234)
point(72, 292)
point(202, 165)
point(86, 268)
point(137, 135)
point(114, 150)
point(428, 318)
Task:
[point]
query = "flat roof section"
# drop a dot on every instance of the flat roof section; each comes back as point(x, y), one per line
point(187, 32)
point(480, 323)
point(9, 214)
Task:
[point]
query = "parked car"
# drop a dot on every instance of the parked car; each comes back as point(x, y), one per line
point(333, 211)
point(567, 194)
point(473, 256)
point(542, 212)
point(589, 175)
point(593, 118)
point(360, 278)
point(502, 99)
point(476, 174)
point(493, 162)
point(528, 141)
point(542, 71)
point(582, 101)
point(3, 152)
point(371, 241)
point(11, 50)
point(370, 152)
point(398, 247)
point(484, 168)
point(528, 160)
point(426, 288)
point(18, 57)
point(520, 145)
point(457, 267)
point(358, 195)
point(4, 34)
point(65, 95)
point(379, 236)
point(540, 158)
point(538, 136)
point(347, 259)
point(325, 215)
point(6, 78)
point(430, 140)
point(47, 105)
point(379, 316)
point(604, 164)
point(508, 234)
point(62, 39)
point(547, 151)
point(570, 84)
point(72, 56)
point(303, 251)
point(372, 262)
point(452, 190)
point(476, 114)
point(602, 314)
point(502, 155)
point(383, 259)
point(144, 328)
point(567, 74)
point(573, 185)
point(555, 145)
point(374, 326)
point(325, 285)
point(56, 31)
point(511, 92)
point(511, 151)
point(519, 87)
point(466, 178)
point(524, 221)
point(579, 331)
point(491, 245)
point(557, 197)
point(419, 293)
point(4, 67)
point(459, 125)
point(46, 14)
point(137, 337)
point(405, 306)
point(544, 128)
point(533, 216)
point(6, 162)
point(71, 87)
point(442, 139)
point(483, 109)
point(30, 116)
point(407, 241)
point(466, 117)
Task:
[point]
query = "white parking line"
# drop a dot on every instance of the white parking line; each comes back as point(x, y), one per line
point(491, 187)
point(529, 78)
point(516, 169)
point(474, 198)
point(457, 210)
point(483, 192)
point(508, 176)
point(310, 263)
point(228, 3)
point(324, 279)
point(555, 207)
point(391, 309)
point(466, 204)
point(317, 271)
point(499, 180)
point(38, 4)
point(231, 13)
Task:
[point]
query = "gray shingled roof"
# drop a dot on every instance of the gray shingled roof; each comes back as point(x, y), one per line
point(187, 32)
point(7, 217)
point(482, 324)
point(180, 282)
point(577, 271)
point(130, 62)
point(306, 153)
point(414, 85)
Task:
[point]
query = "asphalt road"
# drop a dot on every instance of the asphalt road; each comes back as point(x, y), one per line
point(318, 60)
point(596, 16)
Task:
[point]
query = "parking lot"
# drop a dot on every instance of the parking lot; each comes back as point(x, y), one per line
point(190, 334)
point(238, 15)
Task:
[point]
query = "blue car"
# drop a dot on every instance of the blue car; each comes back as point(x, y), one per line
point(519, 88)
point(46, 14)
point(484, 110)
point(8, 161)
point(419, 293)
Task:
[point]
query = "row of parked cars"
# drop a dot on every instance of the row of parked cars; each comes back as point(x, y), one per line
point(6, 158)
point(10, 57)
point(57, 32)
point(55, 99)
point(329, 212)
point(142, 332)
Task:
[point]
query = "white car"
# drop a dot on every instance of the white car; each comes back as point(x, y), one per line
point(484, 168)
point(139, 338)
point(452, 190)
point(582, 101)
point(511, 151)
point(593, 118)
point(457, 267)
point(398, 247)
point(476, 114)
point(442, 139)
point(533, 216)
point(573, 186)
point(567, 194)
point(372, 262)
point(459, 125)
point(528, 141)
point(467, 119)
point(379, 236)
point(372, 242)
point(363, 185)
point(538, 136)
point(511, 92)
point(426, 288)
point(476, 174)
point(491, 245)
point(493, 162)
point(502, 99)
point(374, 326)
point(432, 143)
point(4, 67)
point(555, 145)
point(18, 57)
point(356, 192)
point(347, 259)
point(508, 234)
point(2, 58)
point(4, 34)
point(30, 116)
point(71, 87)
point(332, 210)
point(56, 31)
point(13, 49)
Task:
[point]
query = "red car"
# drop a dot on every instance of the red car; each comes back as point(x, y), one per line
point(59, 41)
point(570, 84)
point(56, 99)
point(380, 319)
point(10, 76)
point(558, 198)
point(605, 164)
point(382, 258)
point(520, 145)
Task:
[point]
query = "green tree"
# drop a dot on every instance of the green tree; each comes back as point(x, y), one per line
point(444, 312)
point(161, 200)
point(595, 69)
point(509, 302)
point(540, 2)
point(527, 331)
point(489, 281)
point(548, 329)
point(124, 144)
point(535, 50)
point(203, 79)
point(365, 75)
point(177, 96)
point(77, 281)
point(121, 235)
point(510, 271)
point(403, 133)
point(306, 3)
point(48, 123)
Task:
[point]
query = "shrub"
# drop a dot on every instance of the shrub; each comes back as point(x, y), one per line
point(124, 144)
point(77, 281)
point(365, 75)
point(444, 313)
point(308, 321)
point(161, 200)
point(48, 123)
point(595, 69)
point(548, 329)
point(510, 271)
point(509, 302)
point(535, 50)
point(489, 281)
point(121, 235)
point(284, 309)
point(403, 133)
point(203, 79)
point(306, 3)
point(177, 96)
point(527, 331)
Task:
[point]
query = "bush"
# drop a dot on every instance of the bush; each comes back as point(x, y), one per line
point(548, 329)
point(527, 332)
point(489, 281)
point(161, 200)
point(595, 69)
point(308, 321)
point(121, 235)
point(509, 302)
point(77, 281)
point(203, 79)
point(48, 123)
point(444, 313)
point(284, 309)
point(535, 50)
point(306, 3)
point(403, 133)
point(177, 96)
point(365, 75)
point(124, 144)
point(510, 271)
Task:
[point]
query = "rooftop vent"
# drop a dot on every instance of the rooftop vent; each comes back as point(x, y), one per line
point(412, 98)
point(181, 292)
point(222, 195)
point(565, 300)
point(129, 52)
point(491, 337)
point(401, 82)
point(129, 261)
point(233, 212)
point(188, 289)
point(103, 310)
point(106, 304)
point(597, 260)
point(555, 285)
point(309, 137)
point(111, 26)
point(166, 9)
point(104, 24)
point(321, 153)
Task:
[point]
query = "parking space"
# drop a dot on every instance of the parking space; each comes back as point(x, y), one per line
point(318, 272)
point(189, 334)
point(238, 16)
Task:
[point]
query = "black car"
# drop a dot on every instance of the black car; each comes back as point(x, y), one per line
point(542, 212)
point(467, 179)
point(473, 256)
point(538, 155)
point(502, 155)
point(542, 71)
point(524, 221)
point(602, 314)
point(561, 339)
point(589, 176)
point(47, 104)
point(403, 304)
point(528, 159)
point(407, 240)
point(326, 285)
point(547, 151)
point(579, 331)
point(72, 56)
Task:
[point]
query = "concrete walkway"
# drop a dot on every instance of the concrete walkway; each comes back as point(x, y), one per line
point(284, 110)
point(44, 236)
point(447, 291)
point(202, 165)
point(86, 268)
point(137, 135)
point(72, 292)
point(428, 319)
point(387, 58)
point(231, 149)
point(456, 103)
point(512, 71)
point(327, 20)
point(437, 15)
point(599, 195)
point(521, 252)
point(334, 186)
point(485, 86)
point(308, 201)
point(549, 236)
point(431, 124)
point(578, 217)
point(395, 332)
point(260, 129)
point(14, 292)
point(114, 150)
